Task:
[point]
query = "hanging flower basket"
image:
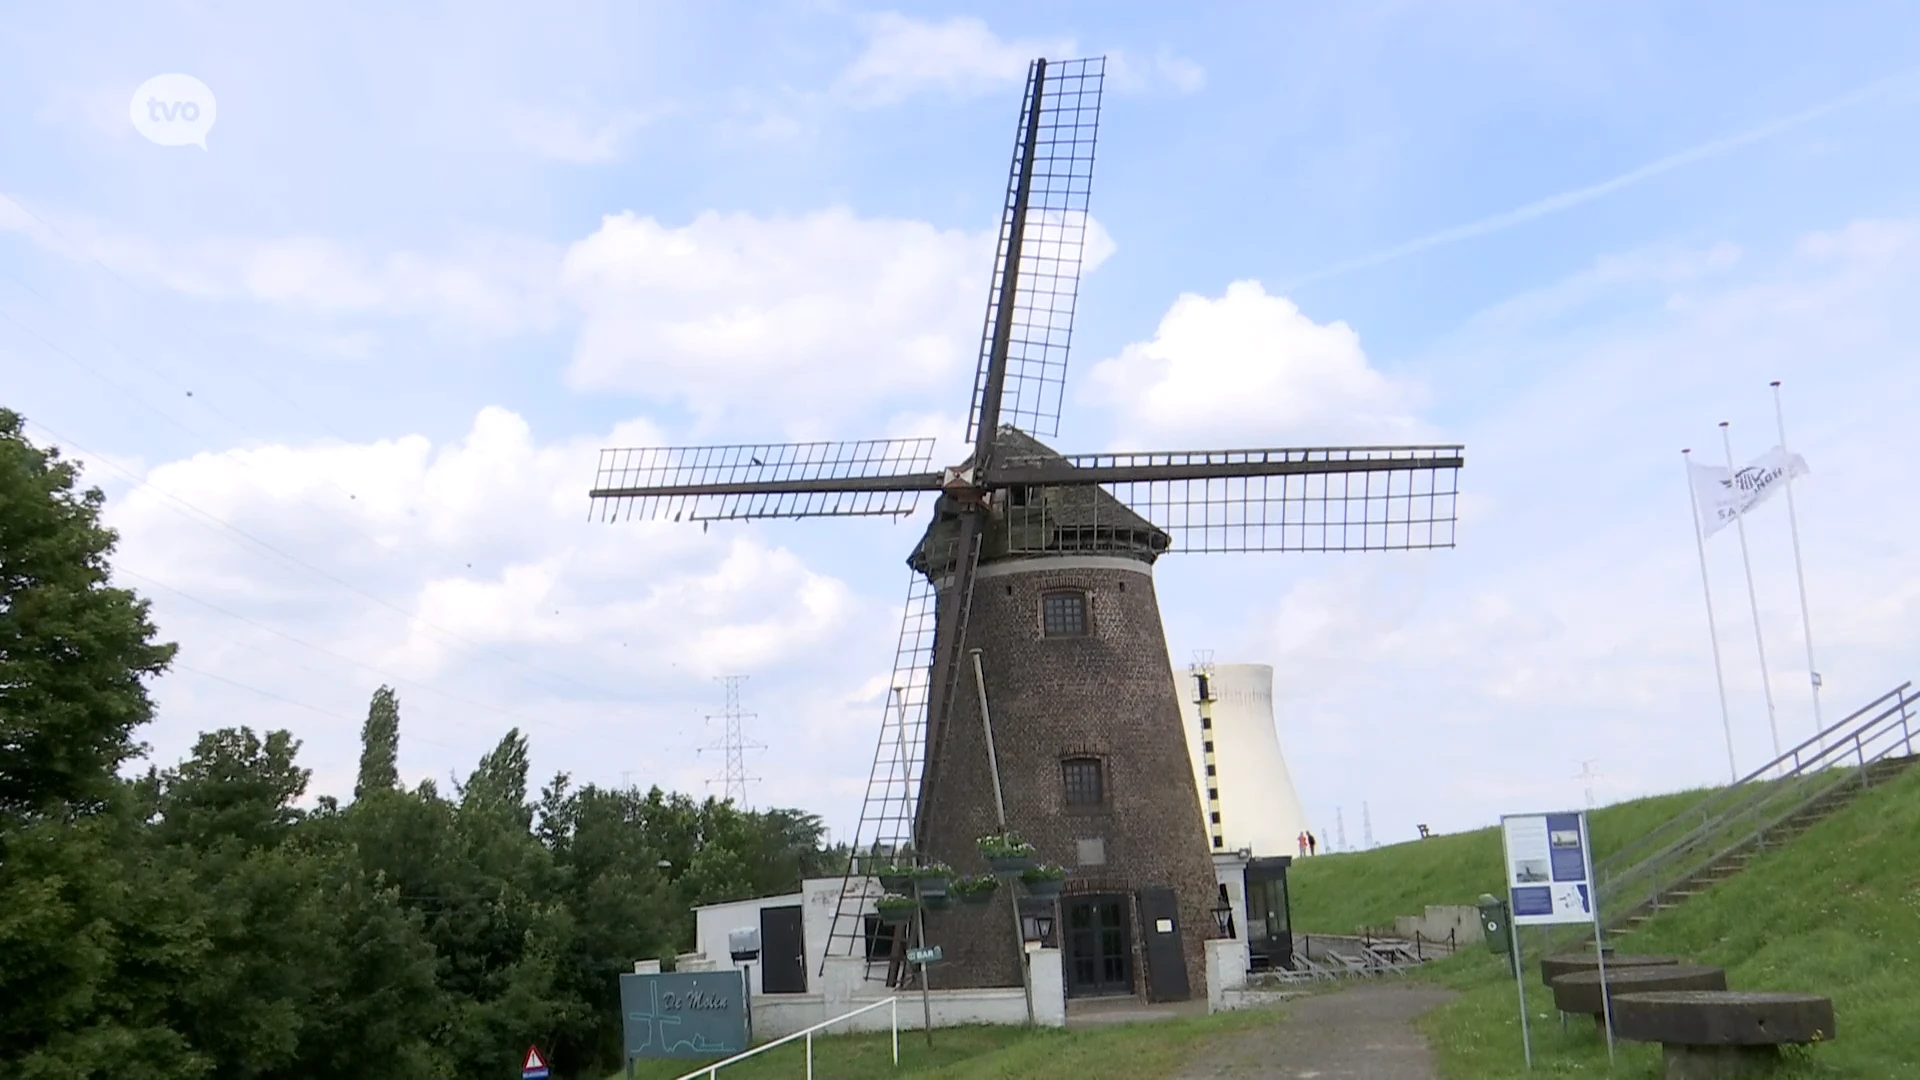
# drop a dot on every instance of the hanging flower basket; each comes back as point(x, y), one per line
point(937, 903)
point(895, 879)
point(975, 889)
point(1044, 881)
point(932, 880)
point(1006, 853)
point(895, 909)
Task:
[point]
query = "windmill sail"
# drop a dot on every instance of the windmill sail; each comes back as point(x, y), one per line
point(1398, 498)
point(1047, 224)
point(871, 477)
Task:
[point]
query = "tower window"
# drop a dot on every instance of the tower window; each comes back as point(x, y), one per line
point(1085, 784)
point(1063, 614)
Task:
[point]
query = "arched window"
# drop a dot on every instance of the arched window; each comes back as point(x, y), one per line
point(1085, 781)
point(1063, 613)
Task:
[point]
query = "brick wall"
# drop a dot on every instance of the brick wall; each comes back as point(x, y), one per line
point(1108, 695)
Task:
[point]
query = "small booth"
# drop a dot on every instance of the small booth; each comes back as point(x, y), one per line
point(1269, 914)
point(1255, 907)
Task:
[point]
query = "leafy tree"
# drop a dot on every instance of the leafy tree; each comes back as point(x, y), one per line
point(379, 745)
point(195, 923)
point(73, 649)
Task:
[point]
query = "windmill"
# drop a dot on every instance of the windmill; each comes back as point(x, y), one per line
point(1021, 581)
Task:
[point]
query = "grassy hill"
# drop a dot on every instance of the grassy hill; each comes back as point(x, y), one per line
point(1835, 912)
point(1335, 894)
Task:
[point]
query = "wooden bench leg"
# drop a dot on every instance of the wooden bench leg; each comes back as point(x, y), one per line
point(1720, 1062)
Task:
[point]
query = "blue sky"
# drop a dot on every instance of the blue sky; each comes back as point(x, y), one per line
point(434, 256)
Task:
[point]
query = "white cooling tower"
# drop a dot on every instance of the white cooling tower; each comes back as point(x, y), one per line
point(1259, 808)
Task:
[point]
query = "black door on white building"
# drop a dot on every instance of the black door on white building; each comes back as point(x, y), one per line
point(783, 951)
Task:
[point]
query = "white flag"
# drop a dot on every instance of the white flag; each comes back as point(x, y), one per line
point(1724, 496)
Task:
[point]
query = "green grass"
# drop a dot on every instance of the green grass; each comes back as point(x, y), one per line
point(1337, 894)
point(1836, 912)
point(1144, 1051)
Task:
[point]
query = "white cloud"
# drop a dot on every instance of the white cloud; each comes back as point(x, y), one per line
point(485, 282)
point(565, 135)
point(810, 316)
point(1250, 368)
point(960, 56)
point(1164, 70)
point(503, 604)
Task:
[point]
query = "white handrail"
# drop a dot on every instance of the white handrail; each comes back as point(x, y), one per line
point(709, 1070)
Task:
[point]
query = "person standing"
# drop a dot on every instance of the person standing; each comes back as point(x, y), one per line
point(1313, 843)
point(1303, 844)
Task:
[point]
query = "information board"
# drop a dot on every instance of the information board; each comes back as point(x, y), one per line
point(690, 1014)
point(1549, 869)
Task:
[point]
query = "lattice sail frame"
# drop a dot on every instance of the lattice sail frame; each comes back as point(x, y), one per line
point(625, 471)
point(1051, 250)
point(906, 748)
point(1353, 505)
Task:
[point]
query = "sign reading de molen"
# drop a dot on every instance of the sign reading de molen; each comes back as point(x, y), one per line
point(697, 1014)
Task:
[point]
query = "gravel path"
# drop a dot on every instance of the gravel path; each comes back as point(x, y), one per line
point(1363, 1033)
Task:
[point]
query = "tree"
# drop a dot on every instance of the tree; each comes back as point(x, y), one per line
point(379, 745)
point(73, 649)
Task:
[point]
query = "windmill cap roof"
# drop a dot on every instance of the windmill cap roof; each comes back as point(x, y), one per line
point(1049, 519)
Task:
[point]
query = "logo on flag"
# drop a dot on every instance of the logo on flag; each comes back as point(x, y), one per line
point(1726, 496)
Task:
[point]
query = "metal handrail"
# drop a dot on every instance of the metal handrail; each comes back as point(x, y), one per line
point(1755, 793)
point(1737, 792)
point(710, 1070)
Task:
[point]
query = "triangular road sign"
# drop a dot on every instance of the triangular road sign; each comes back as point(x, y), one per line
point(535, 1067)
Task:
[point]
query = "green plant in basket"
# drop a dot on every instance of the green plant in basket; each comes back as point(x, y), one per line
point(975, 888)
point(895, 909)
point(1007, 845)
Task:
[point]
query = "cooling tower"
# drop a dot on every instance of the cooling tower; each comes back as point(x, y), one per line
point(1259, 808)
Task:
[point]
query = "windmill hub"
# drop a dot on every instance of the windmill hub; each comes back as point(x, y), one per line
point(1059, 659)
point(958, 482)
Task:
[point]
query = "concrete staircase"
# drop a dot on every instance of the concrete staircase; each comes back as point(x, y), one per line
point(1735, 858)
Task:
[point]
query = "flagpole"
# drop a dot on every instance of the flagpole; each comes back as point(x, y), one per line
point(1753, 598)
point(1713, 633)
point(1799, 572)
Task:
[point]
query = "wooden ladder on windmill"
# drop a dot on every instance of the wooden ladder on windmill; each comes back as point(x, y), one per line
point(1013, 495)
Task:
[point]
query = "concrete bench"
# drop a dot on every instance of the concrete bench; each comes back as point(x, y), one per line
point(1722, 1033)
point(1552, 967)
point(1579, 991)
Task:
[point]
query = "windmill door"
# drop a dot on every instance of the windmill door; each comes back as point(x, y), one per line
point(1166, 960)
point(782, 951)
point(1099, 943)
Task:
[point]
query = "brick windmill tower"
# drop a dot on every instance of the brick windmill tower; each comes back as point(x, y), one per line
point(1032, 595)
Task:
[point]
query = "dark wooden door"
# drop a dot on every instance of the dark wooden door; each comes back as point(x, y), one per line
point(783, 951)
point(1166, 960)
point(1099, 944)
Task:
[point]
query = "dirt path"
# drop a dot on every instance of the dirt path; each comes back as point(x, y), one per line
point(1363, 1033)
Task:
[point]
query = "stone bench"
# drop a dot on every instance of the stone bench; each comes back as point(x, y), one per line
point(1579, 991)
point(1715, 1034)
point(1552, 967)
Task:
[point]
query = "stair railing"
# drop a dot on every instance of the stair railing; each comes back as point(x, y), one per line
point(1742, 816)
